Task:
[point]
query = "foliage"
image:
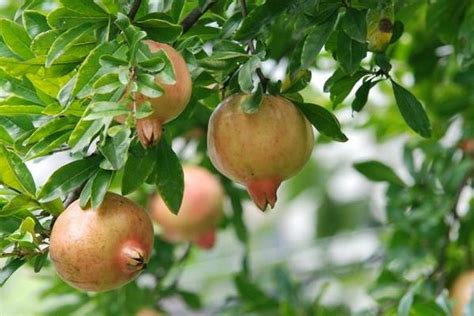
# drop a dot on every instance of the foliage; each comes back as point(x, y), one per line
point(67, 68)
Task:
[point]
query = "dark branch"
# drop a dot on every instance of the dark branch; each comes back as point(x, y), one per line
point(134, 10)
point(194, 16)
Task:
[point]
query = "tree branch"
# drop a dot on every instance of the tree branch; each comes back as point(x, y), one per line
point(134, 10)
point(194, 16)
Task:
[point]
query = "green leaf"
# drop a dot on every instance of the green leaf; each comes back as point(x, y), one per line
point(91, 68)
point(252, 102)
point(259, 17)
point(354, 24)
point(104, 109)
point(350, 53)
point(55, 125)
point(20, 110)
point(83, 134)
point(14, 173)
point(86, 192)
point(16, 38)
point(192, 300)
point(85, 7)
point(397, 32)
point(10, 268)
point(323, 120)
point(35, 23)
point(317, 37)
point(64, 19)
point(249, 291)
point(40, 260)
point(379, 172)
point(22, 88)
point(412, 110)
point(107, 83)
point(47, 145)
point(362, 95)
point(115, 150)
point(148, 86)
point(137, 169)
point(19, 203)
point(160, 30)
point(246, 73)
point(343, 85)
point(68, 178)
point(100, 186)
point(66, 40)
point(169, 176)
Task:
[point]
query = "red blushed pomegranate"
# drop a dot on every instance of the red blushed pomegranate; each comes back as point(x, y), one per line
point(261, 149)
point(200, 212)
point(102, 249)
point(171, 103)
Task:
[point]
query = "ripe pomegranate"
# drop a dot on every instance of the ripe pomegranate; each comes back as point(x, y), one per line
point(200, 212)
point(102, 249)
point(261, 149)
point(462, 292)
point(171, 103)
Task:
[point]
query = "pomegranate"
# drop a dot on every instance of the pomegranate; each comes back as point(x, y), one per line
point(462, 292)
point(261, 149)
point(171, 103)
point(102, 249)
point(200, 212)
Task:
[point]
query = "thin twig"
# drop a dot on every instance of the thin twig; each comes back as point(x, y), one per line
point(134, 10)
point(261, 76)
point(194, 16)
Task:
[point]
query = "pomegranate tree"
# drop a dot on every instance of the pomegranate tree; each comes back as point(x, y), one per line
point(260, 149)
point(171, 103)
point(102, 249)
point(200, 212)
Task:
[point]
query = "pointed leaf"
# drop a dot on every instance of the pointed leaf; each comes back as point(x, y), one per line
point(412, 110)
point(68, 178)
point(169, 176)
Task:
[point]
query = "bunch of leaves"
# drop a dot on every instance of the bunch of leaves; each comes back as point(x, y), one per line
point(428, 243)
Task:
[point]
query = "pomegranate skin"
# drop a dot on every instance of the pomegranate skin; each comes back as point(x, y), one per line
point(461, 292)
point(102, 249)
point(200, 212)
point(262, 149)
point(171, 103)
